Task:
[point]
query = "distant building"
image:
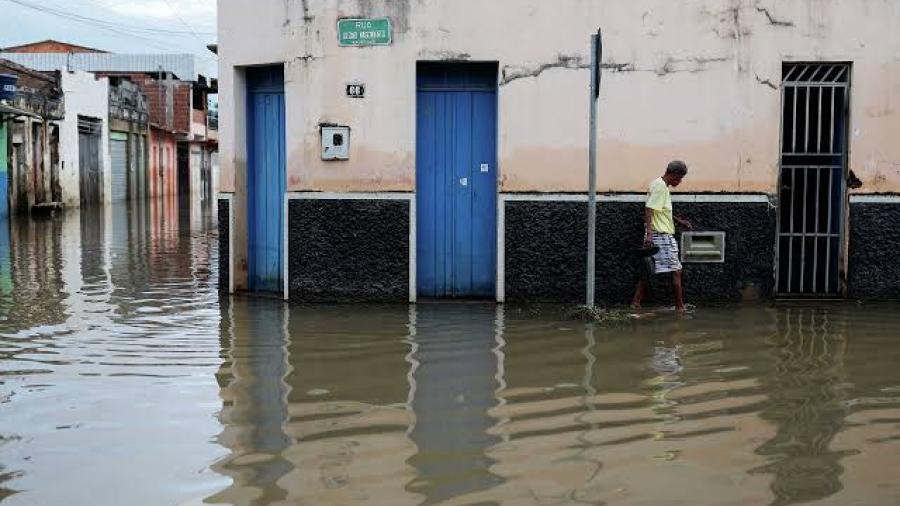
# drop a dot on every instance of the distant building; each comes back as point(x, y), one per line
point(172, 149)
point(31, 137)
point(439, 149)
point(87, 171)
point(55, 129)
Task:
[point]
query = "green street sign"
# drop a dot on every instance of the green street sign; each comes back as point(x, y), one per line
point(364, 32)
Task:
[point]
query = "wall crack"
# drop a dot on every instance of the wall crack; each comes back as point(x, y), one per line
point(772, 19)
point(766, 82)
point(511, 74)
point(569, 62)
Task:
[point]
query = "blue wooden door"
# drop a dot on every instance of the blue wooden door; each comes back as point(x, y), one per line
point(265, 178)
point(456, 181)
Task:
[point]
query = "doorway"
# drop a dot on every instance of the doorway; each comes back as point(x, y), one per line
point(265, 177)
point(90, 174)
point(812, 179)
point(456, 179)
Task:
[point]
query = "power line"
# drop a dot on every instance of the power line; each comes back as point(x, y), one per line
point(100, 22)
point(183, 22)
point(100, 4)
point(108, 26)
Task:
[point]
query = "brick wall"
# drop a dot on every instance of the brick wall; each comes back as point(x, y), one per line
point(169, 101)
point(182, 107)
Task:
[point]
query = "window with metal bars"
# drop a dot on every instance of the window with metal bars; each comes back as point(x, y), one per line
point(812, 182)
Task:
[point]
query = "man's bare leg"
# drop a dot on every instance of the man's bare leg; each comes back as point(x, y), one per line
point(639, 291)
point(679, 293)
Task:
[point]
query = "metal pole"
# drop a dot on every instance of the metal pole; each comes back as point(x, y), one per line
point(596, 55)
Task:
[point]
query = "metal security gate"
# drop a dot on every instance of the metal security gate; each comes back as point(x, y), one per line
point(118, 155)
point(812, 179)
point(89, 173)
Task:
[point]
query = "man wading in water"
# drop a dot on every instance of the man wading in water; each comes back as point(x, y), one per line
point(659, 231)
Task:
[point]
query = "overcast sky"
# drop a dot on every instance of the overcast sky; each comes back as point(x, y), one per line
point(126, 26)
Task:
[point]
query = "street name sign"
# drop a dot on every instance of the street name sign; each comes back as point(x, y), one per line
point(364, 32)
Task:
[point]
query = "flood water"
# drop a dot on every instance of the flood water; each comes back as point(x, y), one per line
point(126, 379)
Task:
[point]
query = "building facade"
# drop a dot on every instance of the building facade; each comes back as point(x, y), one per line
point(160, 137)
point(32, 138)
point(376, 150)
point(85, 168)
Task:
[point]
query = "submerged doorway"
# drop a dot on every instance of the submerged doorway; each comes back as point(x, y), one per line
point(456, 179)
point(90, 175)
point(265, 177)
point(812, 179)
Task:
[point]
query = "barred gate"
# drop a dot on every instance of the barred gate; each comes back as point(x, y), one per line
point(812, 180)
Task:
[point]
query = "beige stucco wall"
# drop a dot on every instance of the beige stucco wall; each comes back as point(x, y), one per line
point(694, 85)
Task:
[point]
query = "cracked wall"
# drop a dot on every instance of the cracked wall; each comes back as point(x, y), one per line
point(693, 80)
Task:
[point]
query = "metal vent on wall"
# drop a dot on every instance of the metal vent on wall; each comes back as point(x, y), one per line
point(703, 247)
point(89, 125)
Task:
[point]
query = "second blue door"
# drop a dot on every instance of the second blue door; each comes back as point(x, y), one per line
point(265, 178)
point(456, 180)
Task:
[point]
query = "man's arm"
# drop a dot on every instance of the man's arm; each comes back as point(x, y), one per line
point(684, 223)
point(648, 226)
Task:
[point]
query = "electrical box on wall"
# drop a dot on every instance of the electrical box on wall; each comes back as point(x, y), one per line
point(335, 143)
point(703, 247)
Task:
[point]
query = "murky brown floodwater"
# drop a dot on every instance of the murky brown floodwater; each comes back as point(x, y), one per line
point(125, 379)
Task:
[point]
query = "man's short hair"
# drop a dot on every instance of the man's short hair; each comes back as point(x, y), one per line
point(677, 167)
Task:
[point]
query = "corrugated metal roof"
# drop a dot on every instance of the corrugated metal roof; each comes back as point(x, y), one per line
point(184, 66)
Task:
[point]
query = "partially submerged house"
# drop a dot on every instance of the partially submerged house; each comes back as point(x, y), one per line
point(56, 139)
point(382, 150)
point(30, 117)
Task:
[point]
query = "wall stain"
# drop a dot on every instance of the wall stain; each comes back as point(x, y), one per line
point(853, 182)
point(396, 10)
point(306, 16)
point(444, 56)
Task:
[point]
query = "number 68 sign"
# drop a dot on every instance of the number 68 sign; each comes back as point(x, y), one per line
point(356, 90)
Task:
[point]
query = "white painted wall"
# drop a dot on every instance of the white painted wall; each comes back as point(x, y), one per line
point(195, 163)
point(694, 86)
point(87, 96)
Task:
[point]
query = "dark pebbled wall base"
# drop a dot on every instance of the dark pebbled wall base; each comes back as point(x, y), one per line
point(874, 242)
point(348, 250)
point(224, 215)
point(545, 252)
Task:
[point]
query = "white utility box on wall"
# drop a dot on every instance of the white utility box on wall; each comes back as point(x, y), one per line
point(335, 143)
point(703, 247)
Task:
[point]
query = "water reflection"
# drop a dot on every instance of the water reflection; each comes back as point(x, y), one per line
point(124, 374)
point(105, 353)
point(455, 387)
point(807, 389)
point(255, 407)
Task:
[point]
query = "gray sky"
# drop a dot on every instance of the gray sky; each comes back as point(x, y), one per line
point(124, 26)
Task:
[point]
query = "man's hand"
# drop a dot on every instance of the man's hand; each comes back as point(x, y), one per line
point(685, 223)
point(648, 239)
